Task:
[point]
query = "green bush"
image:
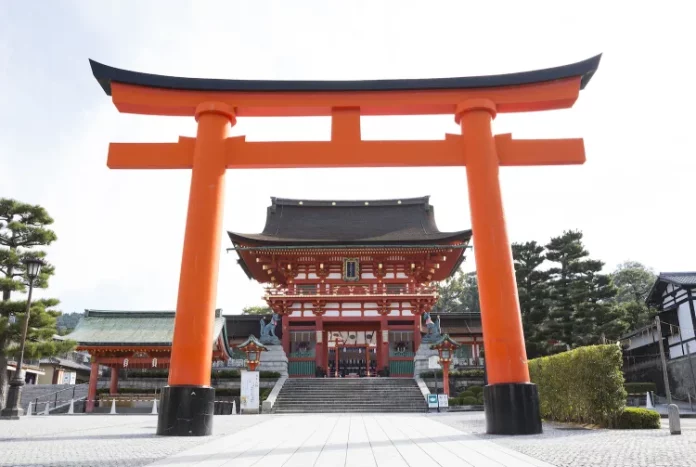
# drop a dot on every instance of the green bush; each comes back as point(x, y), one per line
point(479, 399)
point(583, 385)
point(269, 375)
point(475, 389)
point(467, 393)
point(226, 374)
point(467, 400)
point(634, 418)
point(429, 374)
point(640, 388)
point(476, 373)
point(264, 394)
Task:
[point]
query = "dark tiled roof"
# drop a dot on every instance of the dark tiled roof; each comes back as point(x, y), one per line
point(64, 362)
point(679, 279)
point(105, 75)
point(302, 222)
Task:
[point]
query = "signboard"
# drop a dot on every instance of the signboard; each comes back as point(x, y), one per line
point(443, 400)
point(432, 401)
point(249, 392)
point(433, 363)
point(69, 377)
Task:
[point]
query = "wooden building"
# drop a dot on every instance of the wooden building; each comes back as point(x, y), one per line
point(133, 339)
point(353, 277)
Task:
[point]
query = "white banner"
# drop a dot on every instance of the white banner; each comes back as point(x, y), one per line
point(249, 392)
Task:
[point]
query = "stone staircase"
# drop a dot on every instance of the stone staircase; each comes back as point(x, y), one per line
point(323, 395)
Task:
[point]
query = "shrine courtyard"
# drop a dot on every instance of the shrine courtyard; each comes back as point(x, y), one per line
point(445, 439)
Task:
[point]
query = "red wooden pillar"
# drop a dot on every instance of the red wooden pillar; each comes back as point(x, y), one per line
point(92, 391)
point(416, 333)
point(319, 346)
point(113, 388)
point(445, 377)
point(285, 323)
point(384, 348)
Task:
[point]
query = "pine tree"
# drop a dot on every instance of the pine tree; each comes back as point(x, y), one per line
point(23, 227)
point(582, 311)
point(533, 291)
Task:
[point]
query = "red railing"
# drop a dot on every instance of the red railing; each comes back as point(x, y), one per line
point(372, 289)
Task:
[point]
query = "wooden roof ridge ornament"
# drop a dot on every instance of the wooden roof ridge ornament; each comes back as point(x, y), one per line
point(512, 401)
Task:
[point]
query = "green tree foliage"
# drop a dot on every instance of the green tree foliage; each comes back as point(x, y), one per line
point(581, 309)
point(257, 310)
point(633, 281)
point(458, 293)
point(67, 322)
point(23, 228)
point(534, 291)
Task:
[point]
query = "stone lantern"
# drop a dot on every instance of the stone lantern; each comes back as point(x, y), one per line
point(445, 347)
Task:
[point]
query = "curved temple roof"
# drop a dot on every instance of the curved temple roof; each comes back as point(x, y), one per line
point(326, 222)
point(105, 75)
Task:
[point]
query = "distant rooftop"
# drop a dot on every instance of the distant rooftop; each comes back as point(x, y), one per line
point(120, 327)
point(679, 279)
point(361, 222)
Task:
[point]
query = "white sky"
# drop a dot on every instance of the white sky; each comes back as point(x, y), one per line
point(120, 232)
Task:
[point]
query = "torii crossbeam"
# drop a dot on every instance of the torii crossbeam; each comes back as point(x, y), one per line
point(512, 402)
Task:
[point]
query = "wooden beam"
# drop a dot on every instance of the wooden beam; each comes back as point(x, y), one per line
point(152, 155)
point(343, 153)
point(548, 95)
point(539, 151)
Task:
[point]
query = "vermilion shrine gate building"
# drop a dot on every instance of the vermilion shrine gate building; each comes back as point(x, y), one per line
point(358, 273)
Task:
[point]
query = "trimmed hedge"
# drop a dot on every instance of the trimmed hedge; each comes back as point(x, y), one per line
point(469, 401)
point(640, 388)
point(583, 385)
point(475, 389)
point(635, 418)
point(215, 374)
point(476, 373)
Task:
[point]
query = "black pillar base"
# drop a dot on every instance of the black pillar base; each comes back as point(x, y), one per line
point(186, 411)
point(13, 409)
point(512, 409)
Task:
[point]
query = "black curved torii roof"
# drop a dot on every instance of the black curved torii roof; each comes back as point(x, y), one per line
point(105, 75)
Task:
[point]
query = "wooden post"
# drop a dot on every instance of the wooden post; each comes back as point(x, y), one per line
point(319, 345)
point(445, 377)
point(113, 388)
point(285, 324)
point(192, 345)
point(512, 402)
point(665, 375)
point(93, 379)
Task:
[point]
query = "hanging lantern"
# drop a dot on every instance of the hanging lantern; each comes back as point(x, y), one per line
point(154, 363)
point(125, 363)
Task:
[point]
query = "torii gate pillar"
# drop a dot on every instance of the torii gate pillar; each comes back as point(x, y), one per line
point(511, 400)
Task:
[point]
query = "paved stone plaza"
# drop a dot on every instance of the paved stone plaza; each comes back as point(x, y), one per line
point(332, 440)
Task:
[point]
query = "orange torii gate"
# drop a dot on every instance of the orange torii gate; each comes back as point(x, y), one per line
point(512, 402)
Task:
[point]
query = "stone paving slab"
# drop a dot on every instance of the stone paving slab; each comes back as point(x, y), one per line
point(568, 446)
point(98, 440)
point(342, 440)
point(447, 439)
